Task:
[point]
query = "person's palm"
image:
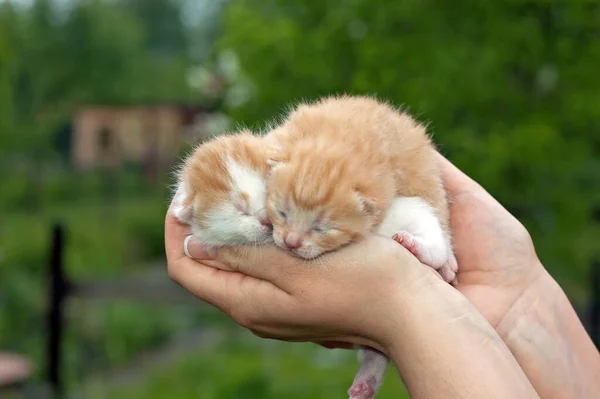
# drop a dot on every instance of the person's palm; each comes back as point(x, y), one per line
point(496, 257)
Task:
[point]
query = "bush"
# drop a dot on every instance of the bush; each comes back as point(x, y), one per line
point(253, 369)
point(99, 243)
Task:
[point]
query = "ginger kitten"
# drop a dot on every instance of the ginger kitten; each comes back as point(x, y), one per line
point(343, 167)
point(339, 166)
point(222, 187)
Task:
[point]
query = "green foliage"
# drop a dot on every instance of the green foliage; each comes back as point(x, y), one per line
point(53, 59)
point(101, 242)
point(254, 369)
point(108, 335)
point(507, 88)
point(6, 70)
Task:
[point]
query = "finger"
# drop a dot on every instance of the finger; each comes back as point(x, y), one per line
point(266, 262)
point(210, 284)
point(454, 282)
point(292, 334)
point(278, 266)
point(194, 249)
point(335, 344)
point(261, 263)
point(242, 297)
point(175, 235)
point(452, 262)
point(446, 273)
point(178, 239)
point(455, 181)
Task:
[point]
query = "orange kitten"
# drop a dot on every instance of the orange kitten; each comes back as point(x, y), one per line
point(341, 164)
point(222, 191)
point(347, 166)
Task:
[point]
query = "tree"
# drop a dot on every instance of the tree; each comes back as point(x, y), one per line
point(507, 88)
point(6, 73)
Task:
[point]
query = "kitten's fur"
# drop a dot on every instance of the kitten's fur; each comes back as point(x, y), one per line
point(222, 188)
point(346, 166)
point(340, 163)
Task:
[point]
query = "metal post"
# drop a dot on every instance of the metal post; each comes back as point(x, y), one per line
point(58, 291)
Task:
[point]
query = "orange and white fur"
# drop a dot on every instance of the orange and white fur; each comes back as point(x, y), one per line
point(347, 166)
point(222, 191)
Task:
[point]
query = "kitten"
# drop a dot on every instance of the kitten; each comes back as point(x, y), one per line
point(223, 191)
point(339, 165)
point(347, 166)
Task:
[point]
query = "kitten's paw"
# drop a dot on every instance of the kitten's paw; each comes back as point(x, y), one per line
point(428, 254)
point(450, 270)
point(433, 256)
point(447, 274)
point(362, 389)
point(408, 241)
point(452, 263)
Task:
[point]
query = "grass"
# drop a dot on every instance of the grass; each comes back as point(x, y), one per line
point(101, 241)
point(255, 368)
point(110, 241)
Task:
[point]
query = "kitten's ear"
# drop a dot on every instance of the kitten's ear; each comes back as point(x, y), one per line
point(277, 156)
point(273, 162)
point(182, 205)
point(367, 204)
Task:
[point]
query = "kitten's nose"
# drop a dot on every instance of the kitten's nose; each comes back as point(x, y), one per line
point(293, 240)
point(263, 218)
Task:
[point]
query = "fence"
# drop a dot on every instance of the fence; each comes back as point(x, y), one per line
point(61, 289)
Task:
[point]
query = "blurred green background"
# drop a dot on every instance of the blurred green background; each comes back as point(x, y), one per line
point(509, 89)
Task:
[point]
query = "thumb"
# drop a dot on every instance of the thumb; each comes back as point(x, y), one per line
point(266, 262)
point(455, 181)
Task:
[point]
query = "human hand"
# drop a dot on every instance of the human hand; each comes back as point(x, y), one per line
point(493, 273)
point(373, 293)
point(349, 296)
point(495, 253)
point(501, 275)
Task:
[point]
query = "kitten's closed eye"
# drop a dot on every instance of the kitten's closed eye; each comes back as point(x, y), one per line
point(242, 208)
point(322, 229)
point(283, 214)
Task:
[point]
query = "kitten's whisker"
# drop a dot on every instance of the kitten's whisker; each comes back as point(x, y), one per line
point(320, 261)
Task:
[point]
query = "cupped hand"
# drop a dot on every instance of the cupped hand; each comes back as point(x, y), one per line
point(275, 294)
point(347, 296)
point(496, 257)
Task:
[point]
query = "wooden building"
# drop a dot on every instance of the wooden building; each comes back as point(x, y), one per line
point(111, 136)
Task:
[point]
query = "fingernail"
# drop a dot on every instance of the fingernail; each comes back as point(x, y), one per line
point(185, 246)
point(196, 250)
point(211, 252)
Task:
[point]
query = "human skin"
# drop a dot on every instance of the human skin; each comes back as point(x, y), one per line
point(504, 279)
point(374, 293)
point(500, 275)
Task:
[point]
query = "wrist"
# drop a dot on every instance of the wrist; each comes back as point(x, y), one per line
point(436, 332)
point(536, 308)
point(424, 302)
point(548, 340)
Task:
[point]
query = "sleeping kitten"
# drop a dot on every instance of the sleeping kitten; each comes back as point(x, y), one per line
point(339, 165)
point(347, 166)
point(223, 191)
